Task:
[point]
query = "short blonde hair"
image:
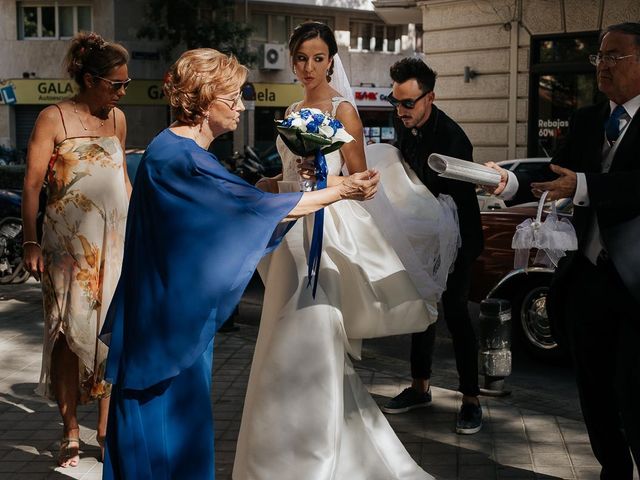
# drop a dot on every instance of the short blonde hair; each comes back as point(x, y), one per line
point(197, 79)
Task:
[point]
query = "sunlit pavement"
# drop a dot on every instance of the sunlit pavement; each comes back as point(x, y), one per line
point(525, 436)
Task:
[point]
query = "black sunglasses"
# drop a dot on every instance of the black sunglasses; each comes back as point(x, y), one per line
point(405, 103)
point(116, 85)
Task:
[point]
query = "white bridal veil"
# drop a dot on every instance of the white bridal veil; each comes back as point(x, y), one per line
point(422, 229)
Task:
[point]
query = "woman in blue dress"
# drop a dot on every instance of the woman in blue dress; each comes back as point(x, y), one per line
point(195, 233)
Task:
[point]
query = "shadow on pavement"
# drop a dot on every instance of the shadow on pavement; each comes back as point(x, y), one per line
point(30, 432)
point(21, 313)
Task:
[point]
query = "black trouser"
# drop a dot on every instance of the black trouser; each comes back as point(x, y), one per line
point(465, 346)
point(603, 330)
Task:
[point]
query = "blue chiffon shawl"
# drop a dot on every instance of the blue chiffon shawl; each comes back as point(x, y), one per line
point(195, 234)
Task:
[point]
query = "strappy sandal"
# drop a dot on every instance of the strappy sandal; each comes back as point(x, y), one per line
point(69, 455)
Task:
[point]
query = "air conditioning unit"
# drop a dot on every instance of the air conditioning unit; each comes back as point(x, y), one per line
point(271, 56)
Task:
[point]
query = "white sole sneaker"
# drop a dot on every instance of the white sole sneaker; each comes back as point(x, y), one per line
point(468, 431)
point(404, 409)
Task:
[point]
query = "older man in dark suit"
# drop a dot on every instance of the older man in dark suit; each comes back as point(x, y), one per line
point(424, 129)
point(594, 302)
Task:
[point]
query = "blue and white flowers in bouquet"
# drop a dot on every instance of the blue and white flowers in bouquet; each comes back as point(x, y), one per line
point(311, 132)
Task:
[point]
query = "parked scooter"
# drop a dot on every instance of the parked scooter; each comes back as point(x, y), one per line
point(252, 166)
point(11, 267)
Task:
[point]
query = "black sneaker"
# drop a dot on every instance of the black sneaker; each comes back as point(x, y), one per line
point(469, 419)
point(407, 400)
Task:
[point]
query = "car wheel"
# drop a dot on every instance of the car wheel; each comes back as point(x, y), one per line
point(531, 322)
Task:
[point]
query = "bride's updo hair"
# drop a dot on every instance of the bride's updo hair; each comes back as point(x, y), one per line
point(197, 79)
point(309, 30)
point(90, 53)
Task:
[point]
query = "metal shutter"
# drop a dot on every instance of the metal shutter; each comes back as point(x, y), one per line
point(25, 120)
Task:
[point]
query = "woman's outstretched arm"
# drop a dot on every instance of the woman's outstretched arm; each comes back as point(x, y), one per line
point(359, 186)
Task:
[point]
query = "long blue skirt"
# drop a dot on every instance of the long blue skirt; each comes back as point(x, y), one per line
point(164, 432)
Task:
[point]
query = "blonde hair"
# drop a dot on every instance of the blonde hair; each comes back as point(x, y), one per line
point(197, 78)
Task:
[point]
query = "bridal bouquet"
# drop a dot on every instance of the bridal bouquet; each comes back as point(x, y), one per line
point(311, 132)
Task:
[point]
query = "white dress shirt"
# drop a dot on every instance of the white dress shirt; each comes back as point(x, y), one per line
point(593, 244)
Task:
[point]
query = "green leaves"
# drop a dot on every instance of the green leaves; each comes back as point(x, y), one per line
point(196, 24)
point(305, 143)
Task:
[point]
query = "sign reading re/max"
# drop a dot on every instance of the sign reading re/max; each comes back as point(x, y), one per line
point(371, 96)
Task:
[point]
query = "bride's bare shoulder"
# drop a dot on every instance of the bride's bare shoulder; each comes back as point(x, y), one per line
point(345, 111)
point(345, 106)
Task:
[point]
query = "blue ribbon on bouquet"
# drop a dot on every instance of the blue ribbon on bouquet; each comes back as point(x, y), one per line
point(315, 251)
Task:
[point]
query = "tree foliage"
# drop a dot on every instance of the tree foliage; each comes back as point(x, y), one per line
point(196, 24)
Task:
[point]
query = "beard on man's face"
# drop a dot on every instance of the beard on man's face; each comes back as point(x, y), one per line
point(412, 118)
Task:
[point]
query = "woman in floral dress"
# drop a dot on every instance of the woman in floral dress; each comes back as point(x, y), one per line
point(77, 147)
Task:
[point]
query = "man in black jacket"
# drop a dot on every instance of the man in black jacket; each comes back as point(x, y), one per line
point(594, 300)
point(424, 129)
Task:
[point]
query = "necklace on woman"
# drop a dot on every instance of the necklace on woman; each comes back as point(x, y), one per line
point(75, 110)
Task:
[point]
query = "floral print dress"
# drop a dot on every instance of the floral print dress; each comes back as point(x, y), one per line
point(82, 245)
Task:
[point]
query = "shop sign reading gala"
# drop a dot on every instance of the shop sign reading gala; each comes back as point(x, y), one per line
point(55, 91)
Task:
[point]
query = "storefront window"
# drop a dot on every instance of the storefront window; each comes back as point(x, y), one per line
point(379, 45)
point(48, 21)
point(559, 95)
point(276, 28)
point(30, 22)
point(66, 21)
point(259, 26)
point(279, 29)
point(562, 80)
point(567, 49)
point(84, 18)
point(52, 22)
point(378, 125)
point(265, 130)
point(365, 36)
point(392, 37)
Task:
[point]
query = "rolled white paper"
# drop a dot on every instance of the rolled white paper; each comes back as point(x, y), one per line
point(457, 169)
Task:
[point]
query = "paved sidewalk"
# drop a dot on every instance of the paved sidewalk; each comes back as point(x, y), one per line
point(524, 437)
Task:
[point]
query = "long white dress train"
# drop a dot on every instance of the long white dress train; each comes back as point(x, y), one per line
point(307, 415)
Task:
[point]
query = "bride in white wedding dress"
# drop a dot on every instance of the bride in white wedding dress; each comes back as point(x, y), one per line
point(307, 415)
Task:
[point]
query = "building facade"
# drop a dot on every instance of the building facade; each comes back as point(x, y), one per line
point(511, 71)
point(34, 37)
point(366, 45)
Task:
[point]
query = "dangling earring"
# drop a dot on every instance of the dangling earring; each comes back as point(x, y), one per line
point(206, 119)
point(294, 71)
point(328, 76)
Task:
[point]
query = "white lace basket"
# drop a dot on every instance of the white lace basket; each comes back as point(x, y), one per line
point(552, 238)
